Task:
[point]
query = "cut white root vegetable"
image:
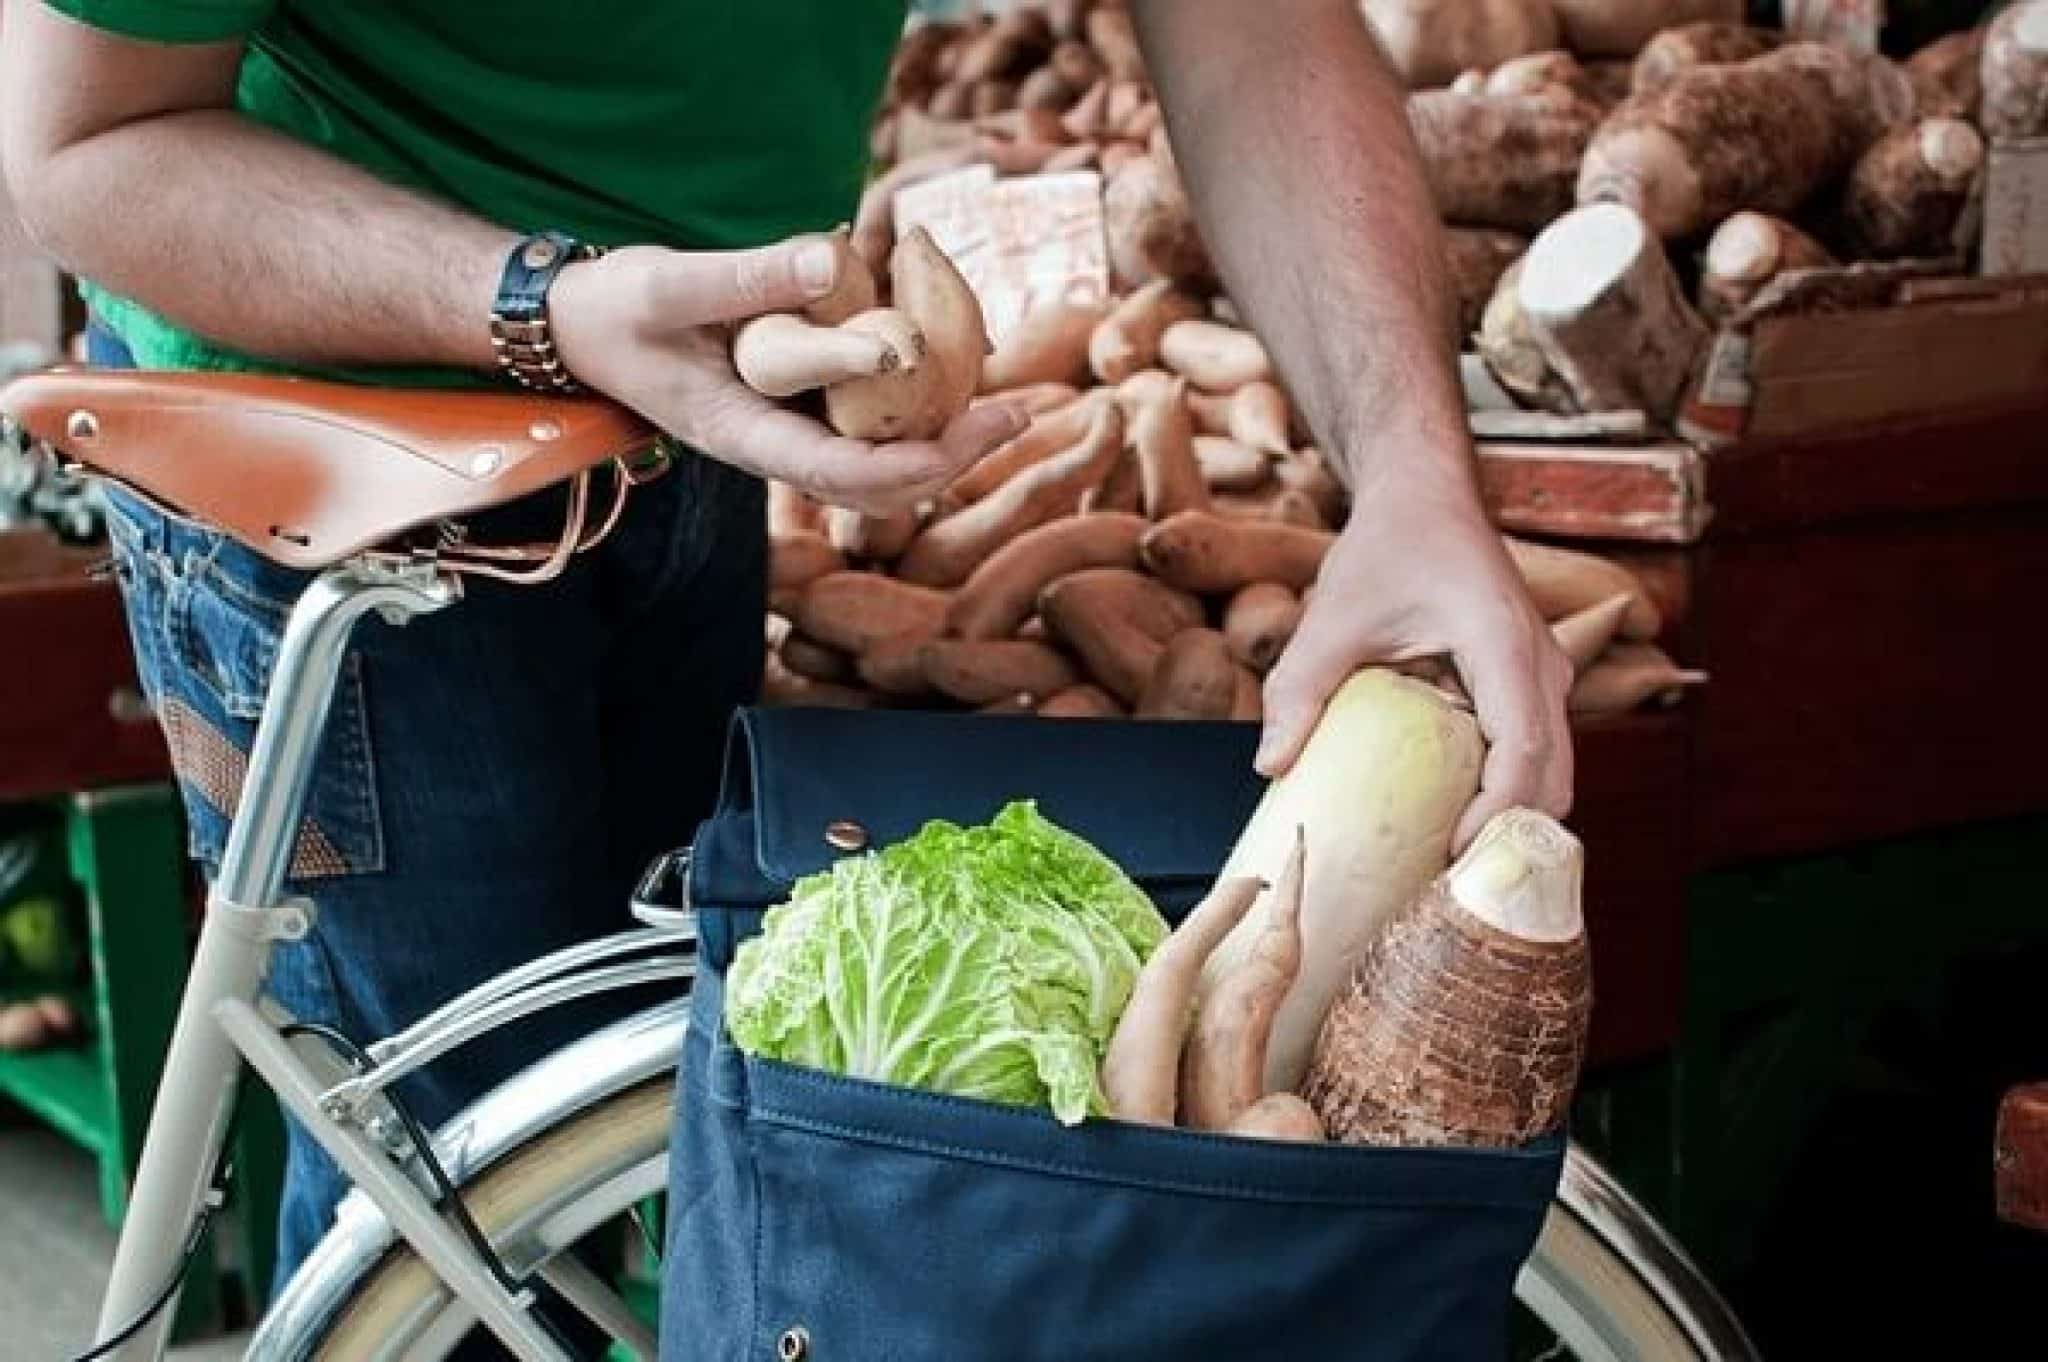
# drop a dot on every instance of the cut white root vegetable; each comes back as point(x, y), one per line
point(2015, 70)
point(1601, 299)
point(1747, 252)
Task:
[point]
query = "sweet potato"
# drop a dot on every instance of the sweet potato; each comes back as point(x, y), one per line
point(781, 354)
point(1747, 252)
point(1114, 40)
point(1228, 466)
point(1121, 491)
point(781, 687)
point(1141, 1068)
point(1076, 64)
point(1565, 581)
point(791, 512)
point(982, 671)
point(1127, 340)
point(1259, 417)
point(1583, 635)
point(2014, 72)
point(815, 661)
point(1013, 44)
point(1431, 41)
point(1034, 398)
point(801, 557)
point(1306, 471)
point(1208, 554)
point(1223, 1068)
point(1628, 676)
point(1002, 592)
point(1048, 345)
point(894, 666)
point(1085, 701)
point(951, 104)
point(917, 401)
point(852, 611)
point(947, 551)
point(1169, 478)
point(1619, 28)
point(1195, 679)
point(1079, 156)
point(1117, 623)
point(1764, 134)
point(1258, 623)
point(1048, 434)
point(1507, 161)
point(1250, 705)
point(1292, 506)
point(1907, 195)
point(913, 70)
point(1280, 1116)
point(1214, 357)
point(992, 97)
point(1703, 44)
point(1047, 89)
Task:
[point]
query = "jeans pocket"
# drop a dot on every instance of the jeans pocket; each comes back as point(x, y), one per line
point(207, 616)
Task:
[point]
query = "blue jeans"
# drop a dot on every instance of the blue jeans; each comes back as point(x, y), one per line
point(493, 777)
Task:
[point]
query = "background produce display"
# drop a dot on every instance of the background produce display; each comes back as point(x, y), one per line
point(1618, 179)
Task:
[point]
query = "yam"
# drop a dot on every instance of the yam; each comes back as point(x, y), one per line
point(1430, 41)
point(1048, 434)
point(982, 671)
point(852, 611)
point(992, 97)
point(1689, 45)
point(1307, 472)
point(1048, 345)
point(1745, 254)
point(1280, 1116)
point(1584, 634)
point(1506, 161)
point(1013, 44)
point(815, 661)
point(1260, 417)
point(1259, 622)
point(1127, 340)
point(1151, 226)
point(1620, 28)
point(2014, 72)
point(1003, 591)
point(1225, 1066)
point(1764, 135)
point(1169, 478)
point(791, 512)
point(1214, 357)
point(894, 665)
point(1209, 554)
point(917, 401)
point(1076, 64)
point(870, 538)
point(1195, 678)
point(1121, 491)
point(1599, 296)
point(948, 550)
point(1475, 259)
point(1948, 76)
point(1115, 42)
point(1047, 89)
point(783, 688)
point(1292, 506)
point(1117, 623)
point(781, 354)
point(1907, 195)
point(1034, 399)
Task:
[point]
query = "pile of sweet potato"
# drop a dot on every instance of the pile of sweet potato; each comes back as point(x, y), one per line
point(1144, 547)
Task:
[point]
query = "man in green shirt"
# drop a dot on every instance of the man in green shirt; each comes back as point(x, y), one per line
point(337, 186)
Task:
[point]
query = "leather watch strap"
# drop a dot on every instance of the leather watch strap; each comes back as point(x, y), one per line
point(521, 337)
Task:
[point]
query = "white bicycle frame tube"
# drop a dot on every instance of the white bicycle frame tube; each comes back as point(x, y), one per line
point(218, 1025)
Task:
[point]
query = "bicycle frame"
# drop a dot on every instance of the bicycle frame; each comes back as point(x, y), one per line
point(224, 1021)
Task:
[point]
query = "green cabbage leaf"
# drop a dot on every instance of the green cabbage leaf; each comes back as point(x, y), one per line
point(989, 962)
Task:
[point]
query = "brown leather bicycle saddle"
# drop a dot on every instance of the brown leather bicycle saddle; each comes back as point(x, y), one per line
point(306, 472)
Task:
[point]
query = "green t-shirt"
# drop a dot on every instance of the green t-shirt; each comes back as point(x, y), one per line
point(701, 124)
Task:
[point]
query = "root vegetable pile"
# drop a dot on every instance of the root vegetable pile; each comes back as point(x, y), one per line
point(1745, 155)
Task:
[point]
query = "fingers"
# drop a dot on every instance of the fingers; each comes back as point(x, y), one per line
point(707, 288)
point(1518, 687)
point(1315, 663)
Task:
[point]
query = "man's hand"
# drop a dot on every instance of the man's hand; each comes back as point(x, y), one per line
point(1415, 576)
point(651, 328)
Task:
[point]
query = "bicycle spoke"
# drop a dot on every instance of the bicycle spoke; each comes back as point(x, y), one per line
point(599, 1304)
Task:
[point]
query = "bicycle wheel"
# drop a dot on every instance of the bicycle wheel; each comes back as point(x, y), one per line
point(1581, 1296)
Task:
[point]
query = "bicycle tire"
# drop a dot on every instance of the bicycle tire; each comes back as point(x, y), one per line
point(593, 1165)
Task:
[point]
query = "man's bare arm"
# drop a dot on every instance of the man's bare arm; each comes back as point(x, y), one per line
point(1291, 130)
point(128, 165)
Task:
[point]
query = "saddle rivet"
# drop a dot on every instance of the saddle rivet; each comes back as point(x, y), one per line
point(846, 835)
point(545, 430)
point(81, 425)
point(794, 1345)
point(487, 461)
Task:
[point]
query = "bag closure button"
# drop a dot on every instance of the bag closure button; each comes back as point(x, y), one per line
point(794, 1345)
point(846, 835)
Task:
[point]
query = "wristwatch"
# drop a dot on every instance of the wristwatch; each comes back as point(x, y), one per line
point(520, 336)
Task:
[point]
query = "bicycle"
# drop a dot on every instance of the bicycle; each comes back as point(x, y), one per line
point(449, 1233)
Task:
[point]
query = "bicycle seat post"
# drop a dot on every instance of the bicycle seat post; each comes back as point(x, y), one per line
point(246, 915)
